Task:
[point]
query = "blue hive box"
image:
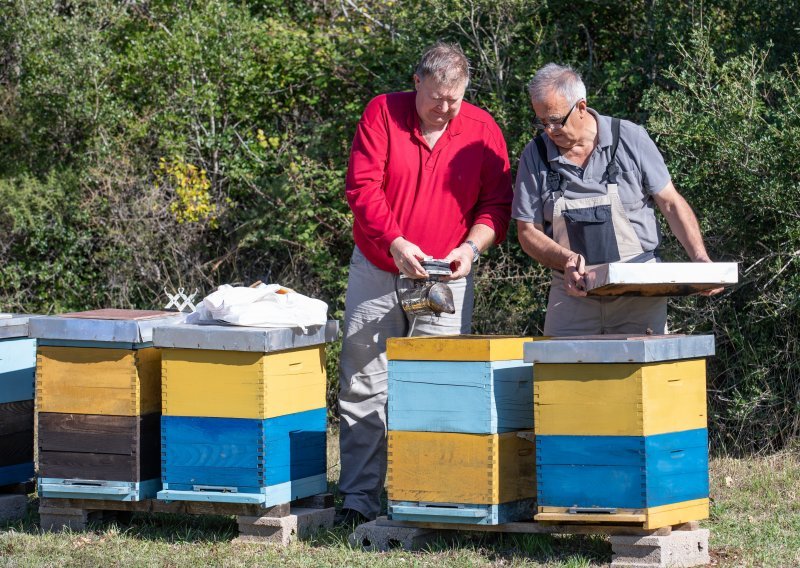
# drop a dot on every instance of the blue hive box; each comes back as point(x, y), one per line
point(470, 397)
point(242, 460)
point(17, 372)
point(635, 472)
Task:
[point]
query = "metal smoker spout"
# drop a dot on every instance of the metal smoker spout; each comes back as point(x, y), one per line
point(440, 299)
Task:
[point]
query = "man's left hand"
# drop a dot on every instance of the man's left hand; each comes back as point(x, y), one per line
point(713, 291)
point(460, 259)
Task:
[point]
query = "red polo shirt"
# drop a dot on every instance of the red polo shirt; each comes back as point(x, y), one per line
point(398, 187)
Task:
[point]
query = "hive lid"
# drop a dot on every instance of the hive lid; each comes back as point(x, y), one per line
point(659, 278)
point(109, 325)
point(240, 338)
point(619, 349)
point(14, 325)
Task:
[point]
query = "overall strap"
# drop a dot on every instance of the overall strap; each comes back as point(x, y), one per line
point(612, 170)
point(555, 183)
point(542, 150)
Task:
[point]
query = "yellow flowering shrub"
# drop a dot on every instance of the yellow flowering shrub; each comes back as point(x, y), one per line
point(193, 202)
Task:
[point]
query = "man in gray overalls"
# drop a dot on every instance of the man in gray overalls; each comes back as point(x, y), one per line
point(584, 195)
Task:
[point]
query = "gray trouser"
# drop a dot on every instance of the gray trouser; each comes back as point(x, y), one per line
point(373, 314)
point(572, 315)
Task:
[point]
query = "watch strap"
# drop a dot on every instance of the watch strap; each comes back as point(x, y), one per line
point(476, 252)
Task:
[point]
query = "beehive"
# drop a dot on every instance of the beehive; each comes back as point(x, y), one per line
point(244, 416)
point(460, 416)
point(620, 428)
point(17, 368)
point(99, 404)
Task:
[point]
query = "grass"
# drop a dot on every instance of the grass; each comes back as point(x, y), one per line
point(755, 522)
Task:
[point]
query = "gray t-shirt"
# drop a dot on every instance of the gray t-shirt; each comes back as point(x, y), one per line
point(643, 173)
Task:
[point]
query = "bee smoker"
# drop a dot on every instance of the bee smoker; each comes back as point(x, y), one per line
point(429, 296)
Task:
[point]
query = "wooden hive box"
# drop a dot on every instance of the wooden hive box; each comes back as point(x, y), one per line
point(99, 456)
point(238, 460)
point(461, 478)
point(239, 372)
point(603, 385)
point(99, 362)
point(621, 428)
point(657, 480)
point(17, 370)
point(92, 380)
point(98, 398)
point(467, 383)
point(244, 413)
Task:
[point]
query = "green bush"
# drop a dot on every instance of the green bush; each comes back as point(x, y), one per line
point(730, 131)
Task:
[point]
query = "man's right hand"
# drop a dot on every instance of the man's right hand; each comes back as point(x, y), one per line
point(574, 272)
point(406, 257)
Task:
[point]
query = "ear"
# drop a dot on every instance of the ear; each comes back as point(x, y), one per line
point(582, 106)
point(417, 82)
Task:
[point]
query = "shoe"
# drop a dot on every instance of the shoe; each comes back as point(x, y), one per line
point(349, 518)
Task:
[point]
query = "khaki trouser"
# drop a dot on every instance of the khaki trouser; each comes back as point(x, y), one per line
point(372, 315)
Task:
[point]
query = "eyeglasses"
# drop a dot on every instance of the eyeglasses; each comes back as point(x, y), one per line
point(555, 124)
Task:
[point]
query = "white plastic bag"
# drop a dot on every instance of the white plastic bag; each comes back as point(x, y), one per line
point(264, 306)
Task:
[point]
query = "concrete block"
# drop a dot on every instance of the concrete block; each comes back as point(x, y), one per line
point(13, 507)
point(57, 519)
point(301, 523)
point(374, 537)
point(679, 549)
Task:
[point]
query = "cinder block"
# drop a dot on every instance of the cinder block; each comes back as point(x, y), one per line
point(13, 507)
point(57, 519)
point(374, 537)
point(301, 523)
point(679, 549)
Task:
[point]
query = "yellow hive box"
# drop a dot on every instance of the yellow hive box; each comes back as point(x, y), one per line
point(650, 518)
point(619, 399)
point(242, 384)
point(457, 348)
point(89, 380)
point(460, 468)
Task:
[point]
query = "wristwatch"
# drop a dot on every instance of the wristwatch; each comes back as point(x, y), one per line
point(476, 252)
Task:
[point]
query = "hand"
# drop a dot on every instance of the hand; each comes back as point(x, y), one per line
point(574, 272)
point(460, 259)
point(406, 257)
point(713, 291)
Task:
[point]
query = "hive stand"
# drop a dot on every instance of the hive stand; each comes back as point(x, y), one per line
point(682, 546)
point(280, 524)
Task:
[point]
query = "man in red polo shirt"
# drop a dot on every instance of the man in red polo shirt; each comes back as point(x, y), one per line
point(428, 177)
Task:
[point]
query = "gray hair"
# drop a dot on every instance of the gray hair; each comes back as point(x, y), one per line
point(446, 63)
point(561, 79)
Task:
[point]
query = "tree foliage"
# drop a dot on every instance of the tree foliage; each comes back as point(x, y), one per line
point(156, 143)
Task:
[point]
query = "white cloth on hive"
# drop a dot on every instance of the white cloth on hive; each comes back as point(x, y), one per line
point(264, 306)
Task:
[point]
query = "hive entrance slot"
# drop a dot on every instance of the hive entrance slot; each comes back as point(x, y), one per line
point(592, 510)
point(215, 488)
